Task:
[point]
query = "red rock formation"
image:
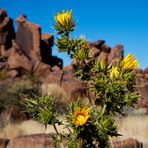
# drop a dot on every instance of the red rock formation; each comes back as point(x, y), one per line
point(35, 141)
point(29, 51)
point(100, 51)
point(116, 53)
point(142, 87)
point(7, 33)
point(17, 59)
point(128, 143)
point(3, 143)
point(46, 141)
point(65, 79)
point(47, 41)
point(28, 37)
point(41, 69)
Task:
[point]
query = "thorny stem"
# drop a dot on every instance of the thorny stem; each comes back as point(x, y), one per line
point(88, 95)
point(55, 128)
point(58, 134)
point(69, 130)
point(104, 108)
point(89, 98)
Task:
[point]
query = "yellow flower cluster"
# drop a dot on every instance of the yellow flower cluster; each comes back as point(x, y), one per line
point(80, 116)
point(63, 18)
point(114, 73)
point(129, 63)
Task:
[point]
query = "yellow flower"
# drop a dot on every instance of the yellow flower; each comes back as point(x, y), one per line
point(63, 18)
point(129, 63)
point(114, 73)
point(80, 116)
point(102, 64)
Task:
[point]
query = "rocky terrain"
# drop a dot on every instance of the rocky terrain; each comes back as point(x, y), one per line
point(27, 52)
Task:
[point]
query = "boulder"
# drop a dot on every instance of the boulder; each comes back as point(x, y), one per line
point(68, 68)
point(55, 68)
point(2, 65)
point(47, 41)
point(94, 52)
point(116, 53)
point(145, 70)
point(99, 50)
point(105, 48)
point(7, 33)
point(12, 73)
point(72, 86)
point(98, 43)
point(35, 141)
point(41, 70)
point(142, 88)
point(13, 114)
point(128, 143)
point(32, 141)
point(18, 59)
point(103, 57)
point(28, 37)
point(55, 61)
point(3, 143)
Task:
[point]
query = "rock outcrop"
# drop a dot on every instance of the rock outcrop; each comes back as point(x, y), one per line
point(128, 143)
point(65, 79)
point(37, 141)
point(7, 33)
point(32, 141)
point(26, 49)
point(142, 87)
point(3, 143)
point(28, 37)
point(46, 141)
point(100, 51)
point(18, 59)
point(31, 51)
point(116, 54)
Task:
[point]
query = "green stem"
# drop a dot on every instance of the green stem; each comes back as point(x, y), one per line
point(55, 128)
point(58, 134)
point(88, 94)
point(104, 108)
point(80, 143)
point(89, 97)
point(69, 130)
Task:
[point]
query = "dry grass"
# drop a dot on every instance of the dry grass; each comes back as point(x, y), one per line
point(135, 125)
point(61, 97)
point(56, 91)
point(3, 75)
point(25, 128)
point(28, 127)
point(32, 127)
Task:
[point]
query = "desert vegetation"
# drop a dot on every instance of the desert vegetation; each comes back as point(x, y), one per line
point(84, 104)
point(89, 125)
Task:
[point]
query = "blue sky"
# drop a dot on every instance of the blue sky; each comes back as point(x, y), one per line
point(115, 21)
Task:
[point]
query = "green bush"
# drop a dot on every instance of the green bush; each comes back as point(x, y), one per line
point(13, 94)
point(113, 85)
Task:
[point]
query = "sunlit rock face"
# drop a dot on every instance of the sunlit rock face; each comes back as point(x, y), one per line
point(27, 48)
point(7, 33)
point(142, 87)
